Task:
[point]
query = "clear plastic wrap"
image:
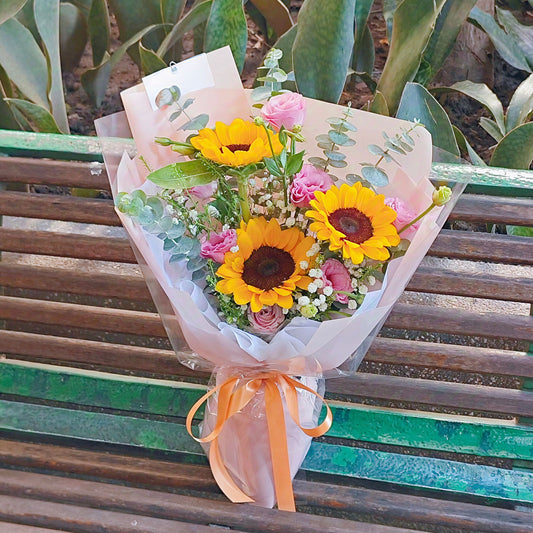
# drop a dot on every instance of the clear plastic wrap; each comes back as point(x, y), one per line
point(304, 347)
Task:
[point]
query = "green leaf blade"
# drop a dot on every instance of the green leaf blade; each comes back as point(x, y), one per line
point(40, 119)
point(515, 150)
point(182, 175)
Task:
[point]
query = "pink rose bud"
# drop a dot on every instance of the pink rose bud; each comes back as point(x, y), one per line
point(204, 191)
point(287, 109)
point(336, 276)
point(268, 320)
point(218, 244)
point(405, 215)
point(306, 182)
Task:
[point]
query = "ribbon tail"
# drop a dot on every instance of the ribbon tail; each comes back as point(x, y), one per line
point(223, 478)
point(278, 448)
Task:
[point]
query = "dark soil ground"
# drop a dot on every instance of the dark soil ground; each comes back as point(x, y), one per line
point(463, 112)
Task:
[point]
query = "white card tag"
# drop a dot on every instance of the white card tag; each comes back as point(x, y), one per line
point(190, 75)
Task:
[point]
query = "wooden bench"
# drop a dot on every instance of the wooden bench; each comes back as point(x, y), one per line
point(435, 433)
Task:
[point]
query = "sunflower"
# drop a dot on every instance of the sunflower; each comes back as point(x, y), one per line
point(355, 220)
point(268, 266)
point(240, 143)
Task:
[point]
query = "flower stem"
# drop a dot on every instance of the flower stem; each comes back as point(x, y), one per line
point(243, 198)
point(415, 220)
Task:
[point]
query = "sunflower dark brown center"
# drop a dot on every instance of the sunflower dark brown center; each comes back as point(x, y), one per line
point(268, 267)
point(234, 147)
point(355, 225)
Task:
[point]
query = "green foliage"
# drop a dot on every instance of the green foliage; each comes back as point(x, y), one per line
point(73, 34)
point(149, 212)
point(323, 48)
point(512, 40)
point(417, 103)
point(183, 175)
point(332, 142)
point(522, 231)
point(273, 79)
point(412, 27)
point(226, 25)
point(9, 8)
point(99, 30)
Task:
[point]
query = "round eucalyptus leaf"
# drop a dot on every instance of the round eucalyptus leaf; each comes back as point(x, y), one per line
point(317, 161)
point(323, 138)
point(338, 164)
point(338, 137)
point(335, 121)
point(391, 146)
point(376, 150)
point(334, 156)
point(375, 176)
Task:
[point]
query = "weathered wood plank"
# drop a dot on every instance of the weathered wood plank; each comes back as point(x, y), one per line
point(164, 362)
point(56, 207)
point(426, 279)
point(356, 422)
point(66, 245)
point(18, 528)
point(403, 316)
point(476, 398)
point(491, 209)
point(173, 507)
point(379, 505)
point(86, 519)
point(52, 172)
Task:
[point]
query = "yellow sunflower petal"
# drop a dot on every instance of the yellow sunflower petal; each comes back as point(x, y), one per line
point(268, 297)
point(255, 303)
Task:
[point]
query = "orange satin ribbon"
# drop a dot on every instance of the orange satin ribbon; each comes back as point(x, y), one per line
point(233, 395)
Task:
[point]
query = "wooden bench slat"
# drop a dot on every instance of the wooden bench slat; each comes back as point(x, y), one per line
point(469, 208)
point(403, 316)
point(491, 209)
point(87, 519)
point(90, 175)
point(506, 249)
point(55, 207)
point(166, 507)
point(66, 245)
point(431, 280)
point(18, 528)
point(383, 505)
point(477, 246)
point(164, 362)
point(460, 322)
point(429, 392)
point(356, 422)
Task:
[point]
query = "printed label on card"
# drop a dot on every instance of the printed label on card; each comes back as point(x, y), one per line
point(190, 75)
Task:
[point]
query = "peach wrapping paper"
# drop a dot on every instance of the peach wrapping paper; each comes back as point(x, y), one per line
point(304, 347)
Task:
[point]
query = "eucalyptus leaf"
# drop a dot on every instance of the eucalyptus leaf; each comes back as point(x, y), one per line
point(376, 150)
point(175, 115)
point(196, 123)
point(177, 257)
point(24, 63)
point(187, 103)
point(318, 161)
point(176, 231)
point(260, 93)
point(375, 176)
point(394, 147)
point(182, 175)
point(337, 164)
point(334, 156)
point(47, 19)
point(338, 137)
point(185, 245)
point(40, 119)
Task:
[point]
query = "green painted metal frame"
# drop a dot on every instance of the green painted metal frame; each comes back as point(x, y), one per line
point(482, 180)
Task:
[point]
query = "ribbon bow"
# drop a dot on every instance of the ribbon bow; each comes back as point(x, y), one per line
point(233, 396)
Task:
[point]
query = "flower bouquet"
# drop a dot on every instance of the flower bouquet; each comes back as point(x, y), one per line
point(275, 232)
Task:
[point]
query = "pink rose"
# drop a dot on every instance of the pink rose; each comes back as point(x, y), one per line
point(204, 191)
point(405, 215)
point(218, 244)
point(268, 320)
point(306, 182)
point(287, 109)
point(336, 276)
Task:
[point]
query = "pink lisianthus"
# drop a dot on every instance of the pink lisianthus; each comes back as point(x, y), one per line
point(268, 320)
point(203, 192)
point(306, 182)
point(218, 244)
point(405, 215)
point(336, 276)
point(287, 109)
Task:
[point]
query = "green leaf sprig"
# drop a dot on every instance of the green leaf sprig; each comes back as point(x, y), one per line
point(171, 96)
point(273, 79)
